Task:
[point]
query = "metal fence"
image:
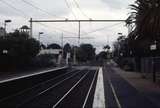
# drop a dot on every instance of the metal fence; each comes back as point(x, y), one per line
point(150, 68)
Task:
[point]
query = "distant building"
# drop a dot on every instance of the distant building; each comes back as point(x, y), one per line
point(50, 51)
point(54, 52)
point(2, 31)
point(25, 29)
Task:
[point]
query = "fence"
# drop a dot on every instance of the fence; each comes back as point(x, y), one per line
point(150, 68)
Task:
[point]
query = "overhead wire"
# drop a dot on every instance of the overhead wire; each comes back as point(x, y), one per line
point(36, 7)
point(17, 10)
point(82, 12)
point(11, 6)
point(40, 9)
point(100, 29)
point(76, 4)
point(57, 28)
point(25, 16)
point(72, 12)
point(69, 7)
point(28, 3)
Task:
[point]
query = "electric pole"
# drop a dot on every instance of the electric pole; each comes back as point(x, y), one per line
point(31, 27)
point(62, 44)
point(79, 32)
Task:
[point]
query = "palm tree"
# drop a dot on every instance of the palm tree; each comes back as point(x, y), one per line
point(145, 20)
point(145, 15)
point(106, 47)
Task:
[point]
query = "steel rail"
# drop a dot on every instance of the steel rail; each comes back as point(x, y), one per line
point(23, 91)
point(90, 88)
point(114, 93)
point(61, 99)
point(49, 88)
point(29, 75)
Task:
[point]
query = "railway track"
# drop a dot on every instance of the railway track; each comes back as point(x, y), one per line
point(71, 89)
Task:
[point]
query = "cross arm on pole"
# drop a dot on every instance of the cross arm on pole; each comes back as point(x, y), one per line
point(103, 20)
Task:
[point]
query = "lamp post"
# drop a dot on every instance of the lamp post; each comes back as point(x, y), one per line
point(5, 24)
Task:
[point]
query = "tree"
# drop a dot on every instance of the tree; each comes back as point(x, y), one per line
point(43, 46)
point(102, 56)
point(122, 47)
point(107, 47)
point(146, 16)
point(85, 53)
point(146, 19)
point(17, 48)
point(66, 49)
point(53, 46)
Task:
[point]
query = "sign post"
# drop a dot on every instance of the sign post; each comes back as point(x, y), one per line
point(153, 47)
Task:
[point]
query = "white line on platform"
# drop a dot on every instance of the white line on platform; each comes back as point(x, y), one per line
point(99, 100)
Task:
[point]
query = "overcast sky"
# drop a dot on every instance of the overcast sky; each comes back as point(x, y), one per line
point(98, 34)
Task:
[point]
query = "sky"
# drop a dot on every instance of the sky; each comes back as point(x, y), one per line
point(96, 33)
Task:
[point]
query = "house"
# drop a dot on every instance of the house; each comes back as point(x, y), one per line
point(54, 52)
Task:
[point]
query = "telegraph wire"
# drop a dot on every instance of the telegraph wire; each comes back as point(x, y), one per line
point(56, 28)
point(78, 6)
point(73, 4)
point(26, 16)
point(36, 7)
point(72, 12)
point(69, 7)
point(82, 12)
point(42, 10)
point(100, 29)
point(11, 6)
point(46, 13)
